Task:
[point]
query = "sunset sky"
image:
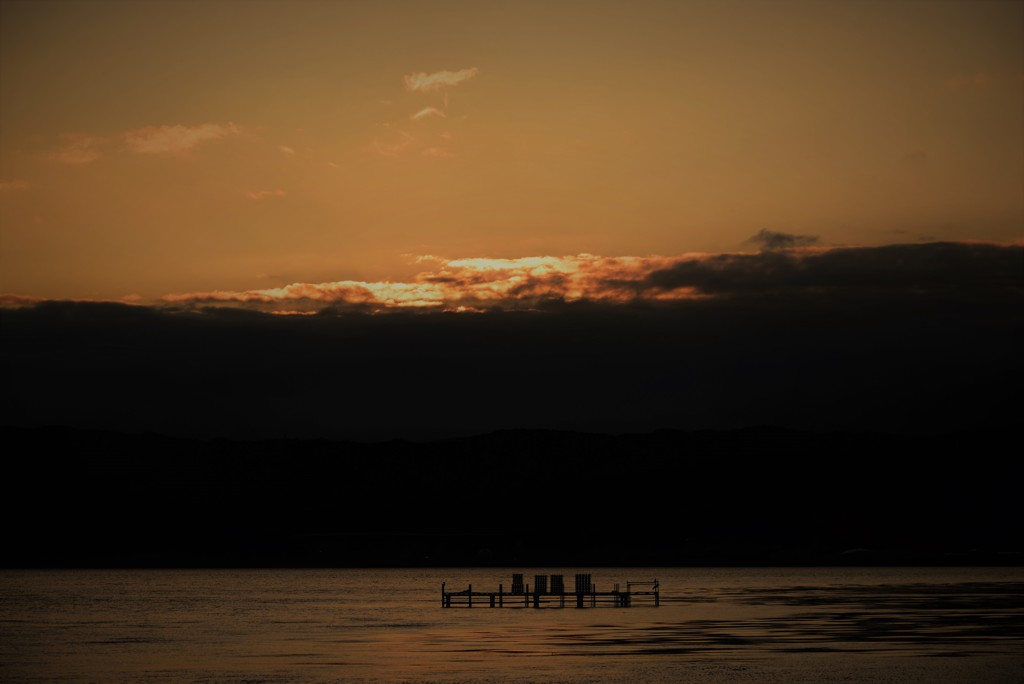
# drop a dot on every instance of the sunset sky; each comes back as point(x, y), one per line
point(167, 151)
point(576, 215)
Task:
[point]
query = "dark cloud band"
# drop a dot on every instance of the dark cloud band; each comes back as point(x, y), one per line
point(947, 268)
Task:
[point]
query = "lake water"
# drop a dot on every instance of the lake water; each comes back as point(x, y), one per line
point(742, 625)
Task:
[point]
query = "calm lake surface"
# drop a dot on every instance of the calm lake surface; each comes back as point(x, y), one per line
point(744, 625)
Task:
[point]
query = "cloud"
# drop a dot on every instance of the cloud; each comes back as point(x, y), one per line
point(427, 112)
point(903, 336)
point(403, 143)
point(286, 149)
point(915, 158)
point(13, 301)
point(473, 284)
point(961, 81)
point(424, 82)
point(393, 146)
point(769, 239)
point(175, 139)
point(79, 149)
point(13, 184)
point(298, 297)
point(535, 283)
point(932, 272)
point(259, 195)
point(932, 269)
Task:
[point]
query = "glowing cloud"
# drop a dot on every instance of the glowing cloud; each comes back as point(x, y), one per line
point(394, 146)
point(461, 285)
point(424, 82)
point(259, 195)
point(481, 284)
point(174, 139)
point(13, 301)
point(426, 112)
point(80, 149)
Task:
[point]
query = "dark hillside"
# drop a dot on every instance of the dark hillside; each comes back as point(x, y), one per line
point(759, 496)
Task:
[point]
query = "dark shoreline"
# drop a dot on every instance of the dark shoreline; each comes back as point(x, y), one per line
point(760, 497)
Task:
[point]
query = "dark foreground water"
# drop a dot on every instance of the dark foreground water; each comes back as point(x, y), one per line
point(742, 625)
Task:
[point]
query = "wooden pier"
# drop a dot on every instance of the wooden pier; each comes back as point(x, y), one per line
point(555, 595)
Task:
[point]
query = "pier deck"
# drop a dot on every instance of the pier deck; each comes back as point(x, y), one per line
point(585, 595)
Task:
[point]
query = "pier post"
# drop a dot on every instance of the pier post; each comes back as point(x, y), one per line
point(585, 589)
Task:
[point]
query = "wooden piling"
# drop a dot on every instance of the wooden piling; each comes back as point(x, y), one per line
point(538, 595)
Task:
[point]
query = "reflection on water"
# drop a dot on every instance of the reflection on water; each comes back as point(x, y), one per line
point(374, 625)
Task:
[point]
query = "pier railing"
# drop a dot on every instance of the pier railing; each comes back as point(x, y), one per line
point(586, 594)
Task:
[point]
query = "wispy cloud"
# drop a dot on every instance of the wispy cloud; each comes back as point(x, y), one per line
point(79, 149)
point(770, 239)
point(405, 144)
point(286, 149)
point(175, 139)
point(13, 184)
point(427, 112)
point(960, 81)
point(394, 146)
point(13, 301)
point(259, 195)
point(916, 158)
point(424, 82)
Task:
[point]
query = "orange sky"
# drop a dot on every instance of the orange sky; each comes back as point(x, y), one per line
point(155, 148)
